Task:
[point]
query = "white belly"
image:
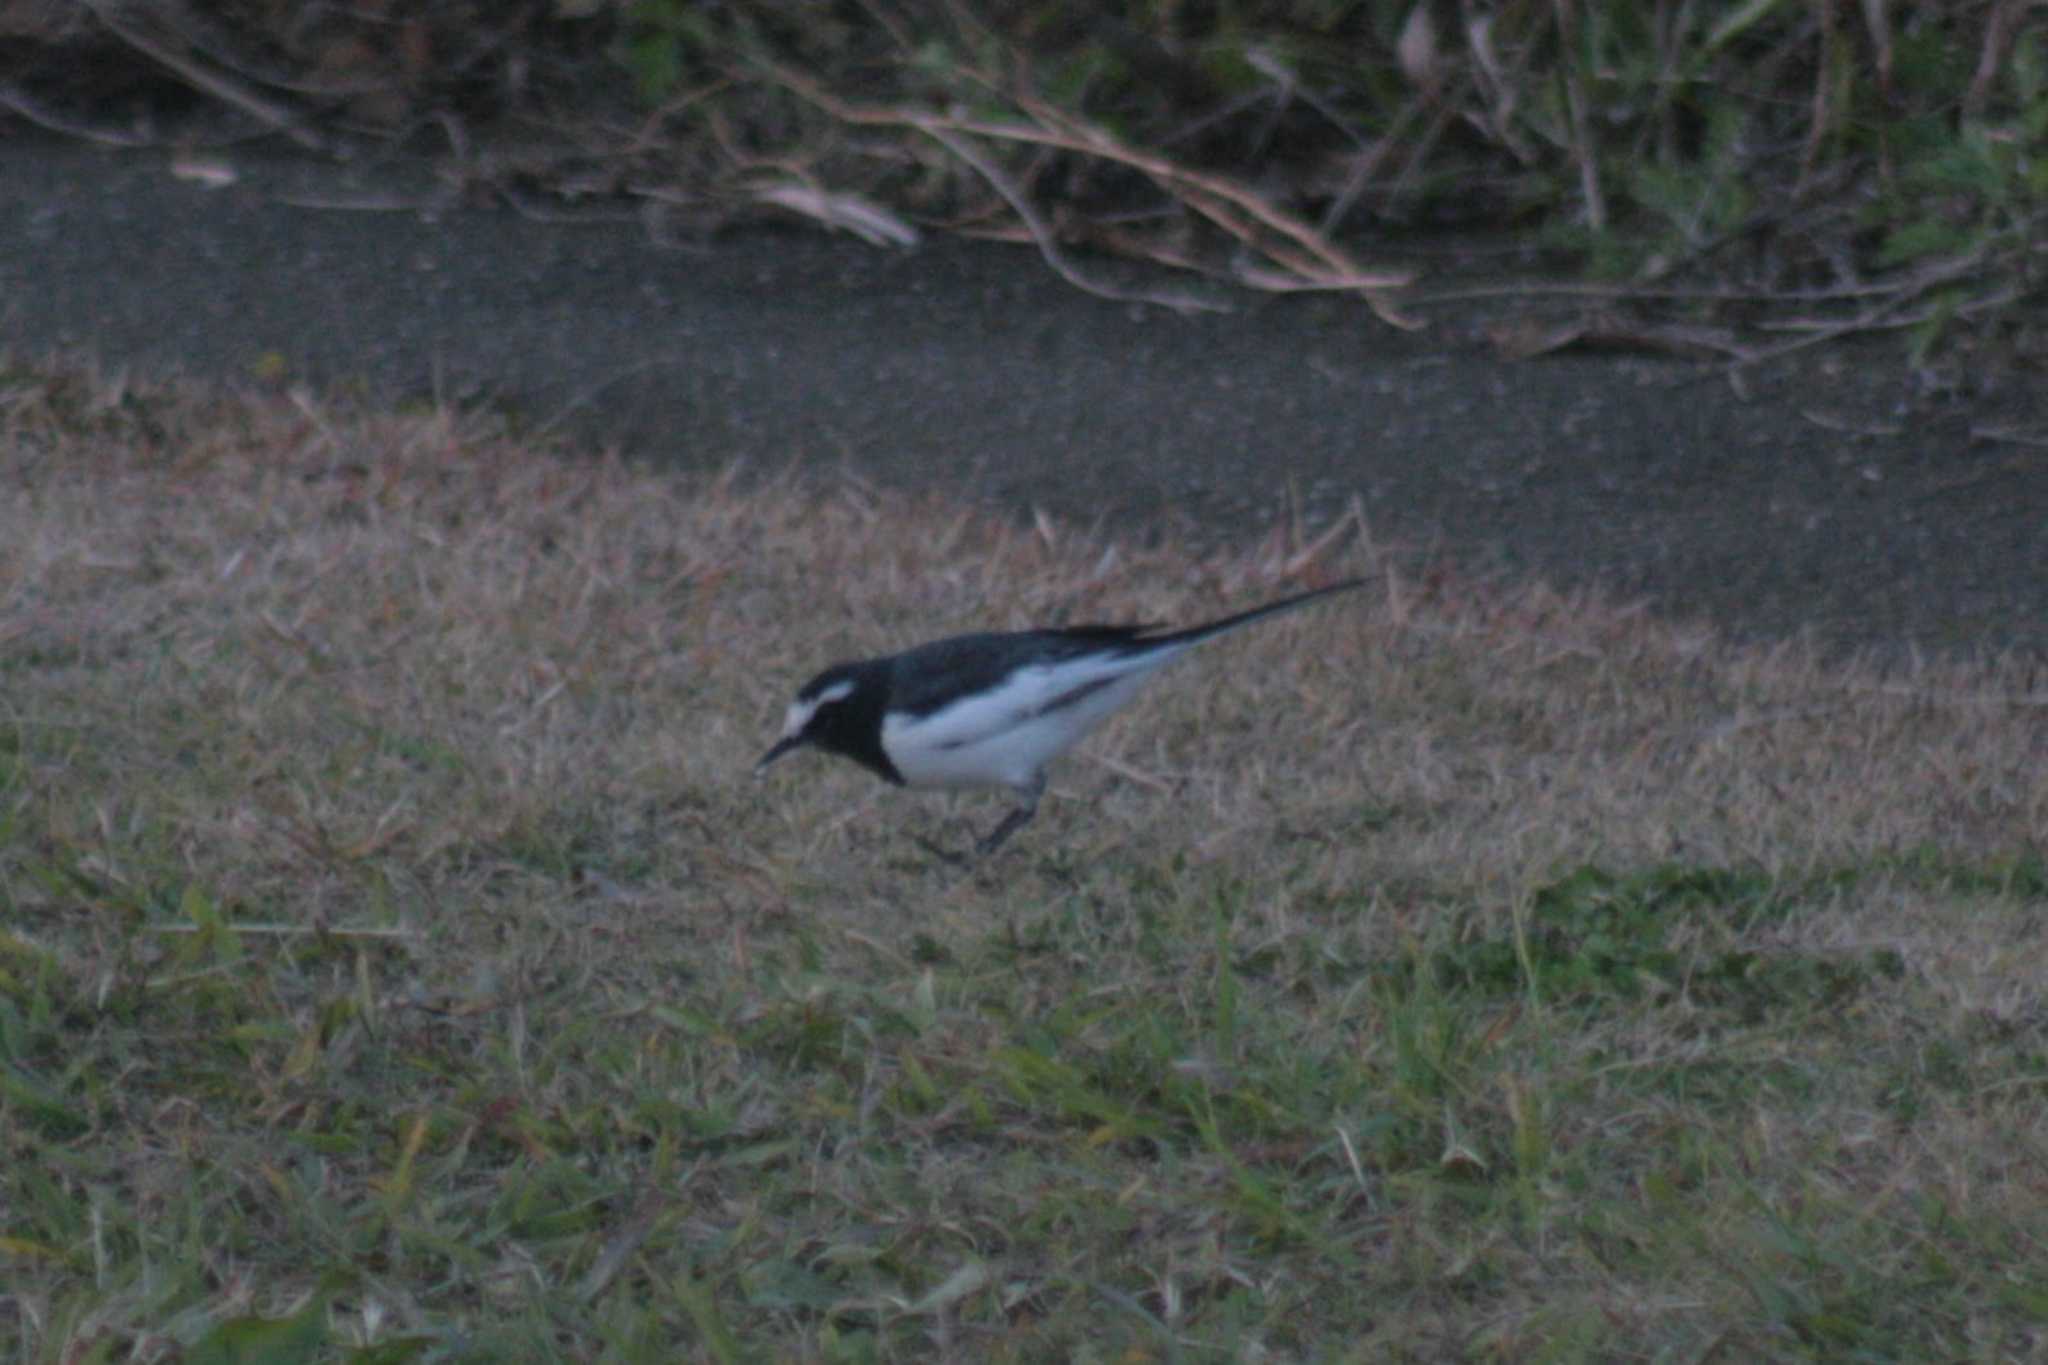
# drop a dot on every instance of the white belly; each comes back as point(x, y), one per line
point(1006, 738)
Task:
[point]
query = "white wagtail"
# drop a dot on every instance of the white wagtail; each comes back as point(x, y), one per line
point(990, 710)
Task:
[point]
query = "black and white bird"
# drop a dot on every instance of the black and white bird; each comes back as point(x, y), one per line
point(990, 710)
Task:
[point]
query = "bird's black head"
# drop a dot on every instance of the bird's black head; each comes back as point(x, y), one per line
point(839, 711)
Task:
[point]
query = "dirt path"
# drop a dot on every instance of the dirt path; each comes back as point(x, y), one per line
point(1831, 495)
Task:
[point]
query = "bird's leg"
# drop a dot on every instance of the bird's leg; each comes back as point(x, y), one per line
point(1015, 820)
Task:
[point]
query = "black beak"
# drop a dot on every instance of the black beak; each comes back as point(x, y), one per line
point(781, 747)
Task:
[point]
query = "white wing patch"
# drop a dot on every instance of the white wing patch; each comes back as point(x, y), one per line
point(1005, 737)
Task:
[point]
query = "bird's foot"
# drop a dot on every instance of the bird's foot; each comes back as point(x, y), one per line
point(943, 854)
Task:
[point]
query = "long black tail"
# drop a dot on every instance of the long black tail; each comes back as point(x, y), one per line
point(1244, 618)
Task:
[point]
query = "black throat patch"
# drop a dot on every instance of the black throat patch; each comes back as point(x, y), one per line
point(852, 727)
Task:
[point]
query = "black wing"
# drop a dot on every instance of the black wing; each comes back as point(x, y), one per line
point(932, 677)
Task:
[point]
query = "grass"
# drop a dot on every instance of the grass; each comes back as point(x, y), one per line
point(398, 962)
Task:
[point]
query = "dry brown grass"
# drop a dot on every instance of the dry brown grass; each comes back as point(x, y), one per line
point(395, 936)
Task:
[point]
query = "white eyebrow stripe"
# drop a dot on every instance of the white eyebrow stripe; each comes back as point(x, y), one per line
point(803, 708)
